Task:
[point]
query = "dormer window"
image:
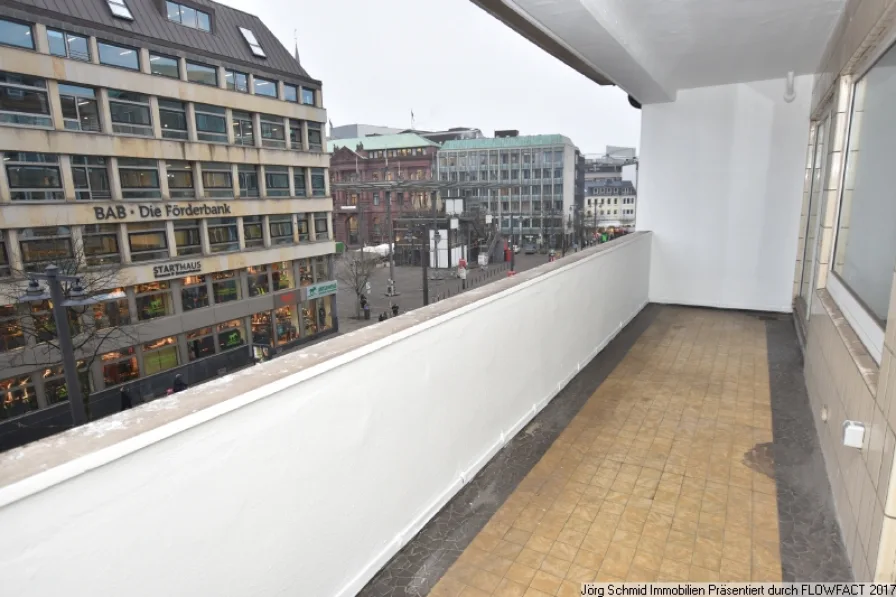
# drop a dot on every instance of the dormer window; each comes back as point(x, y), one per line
point(188, 16)
point(253, 42)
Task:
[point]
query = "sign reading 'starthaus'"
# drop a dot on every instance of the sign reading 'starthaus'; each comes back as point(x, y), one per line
point(166, 210)
point(172, 270)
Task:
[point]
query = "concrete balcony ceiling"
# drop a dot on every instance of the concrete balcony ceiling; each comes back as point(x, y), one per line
point(653, 48)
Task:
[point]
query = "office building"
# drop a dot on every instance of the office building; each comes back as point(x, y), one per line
point(526, 182)
point(179, 145)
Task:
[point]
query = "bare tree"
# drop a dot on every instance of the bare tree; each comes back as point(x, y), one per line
point(355, 270)
point(98, 324)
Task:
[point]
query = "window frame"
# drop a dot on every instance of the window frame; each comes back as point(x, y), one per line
point(155, 56)
point(167, 106)
point(101, 231)
point(264, 81)
point(253, 222)
point(133, 229)
point(230, 73)
point(178, 191)
point(214, 170)
point(228, 245)
point(117, 48)
point(279, 221)
point(122, 127)
point(66, 43)
point(269, 126)
point(279, 174)
point(152, 289)
point(201, 66)
point(137, 165)
point(210, 113)
point(38, 119)
point(238, 121)
point(51, 193)
point(75, 92)
point(186, 228)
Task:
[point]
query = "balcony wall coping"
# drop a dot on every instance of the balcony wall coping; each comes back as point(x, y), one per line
point(37, 466)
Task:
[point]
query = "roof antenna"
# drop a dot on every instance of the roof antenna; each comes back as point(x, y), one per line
point(295, 37)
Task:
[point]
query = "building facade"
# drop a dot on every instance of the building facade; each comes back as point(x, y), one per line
point(175, 152)
point(360, 215)
point(526, 182)
point(610, 203)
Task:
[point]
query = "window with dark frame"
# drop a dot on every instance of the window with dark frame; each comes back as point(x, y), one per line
point(315, 138)
point(121, 56)
point(273, 133)
point(211, 123)
point(203, 74)
point(180, 179)
point(290, 93)
point(80, 108)
point(173, 119)
point(281, 229)
point(139, 178)
point(201, 343)
point(319, 182)
point(194, 293)
point(188, 16)
point(24, 100)
point(100, 243)
point(223, 236)
point(320, 225)
point(253, 231)
point(91, 177)
point(68, 45)
point(295, 135)
point(242, 128)
point(276, 180)
point(164, 66)
point(33, 176)
point(248, 179)
point(307, 96)
point(263, 86)
point(19, 35)
point(236, 81)
point(43, 245)
point(304, 231)
point(298, 175)
point(187, 237)
point(217, 179)
point(130, 113)
point(226, 286)
point(148, 241)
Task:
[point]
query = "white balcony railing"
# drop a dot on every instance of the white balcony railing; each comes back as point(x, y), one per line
point(304, 475)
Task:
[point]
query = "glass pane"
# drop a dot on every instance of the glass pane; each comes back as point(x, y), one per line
point(290, 93)
point(866, 246)
point(203, 21)
point(16, 34)
point(188, 16)
point(77, 47)
point(118, 56)
point(308, 96)
point(201, 73)
point(56, 40)
point(265, 87)
point(23, 100)
point(173, 11)
point(163, 65)
point(129, 114)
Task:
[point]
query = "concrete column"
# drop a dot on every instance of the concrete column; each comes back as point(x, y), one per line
point(203, 237)
point(295, 227)
point(326, 183)
point(266, 231)
point(228, 115)
point(172, 245)
point(256, 128)
point(40, 390)
point(4, 184)
point(183, 350)
point(182, 69)
point(281, 93)
point(305, 146)
point(114, 179)
point(330, 231)
point(222, 77)
point(144, 60)
point(319, 101)
point(250, 82)
point(235, 177)
point(163, 180)
point(286, 131)
point(240, 233)
point(124, 247)
point(41, 44)
point(312, 230)
point(197, 180)
point(68, 182)
point(55, 105)
point(105, 115)
point(154, 114)
point(292, 181)
point(14, 251)
point(94, 50)
point(192, 134)
point(307, 181)
point(262, 186)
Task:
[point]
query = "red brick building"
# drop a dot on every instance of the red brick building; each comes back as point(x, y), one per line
point(361, 216)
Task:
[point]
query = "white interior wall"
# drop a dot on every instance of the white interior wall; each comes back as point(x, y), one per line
point(313, 482)
point(720, 185)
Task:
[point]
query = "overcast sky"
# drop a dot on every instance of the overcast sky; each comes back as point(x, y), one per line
point(448, 61)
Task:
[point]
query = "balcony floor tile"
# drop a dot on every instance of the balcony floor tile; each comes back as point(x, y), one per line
point(684, 451)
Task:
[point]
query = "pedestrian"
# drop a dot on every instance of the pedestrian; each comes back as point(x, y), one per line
point(125, 396)
point(179, 384)
point(394, 309)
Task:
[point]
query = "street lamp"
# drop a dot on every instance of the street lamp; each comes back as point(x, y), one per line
point(77, 297)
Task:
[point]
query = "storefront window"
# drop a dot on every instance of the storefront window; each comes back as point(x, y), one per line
point(306, 275)
point(324, 306)
point(261, 329)
point(200, 343)
point(230, 334)
point(321, 271)
point(259, 282)
point(287, 324)
point(282, 275)
point(160, 355)
point(154, 300)
point(226, 286)
point(18, 397)
point(120, 366)
point(194, 294)
point(55, 388)
point(11, 335)
point(114, 313)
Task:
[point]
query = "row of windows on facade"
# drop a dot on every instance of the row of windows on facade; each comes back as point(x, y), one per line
point(483, 159)
point(400, 153)
point(525, 174)
point(419, 199)
point(547, 207)
point(144, 302)
point(39, 177)
point(377, 175)
point(77, 47)
point(283, 326)
point(627, 212)
point(615, 201)
point(24, 101)
point(100, 244)
point(531, 223)
point(605, 190)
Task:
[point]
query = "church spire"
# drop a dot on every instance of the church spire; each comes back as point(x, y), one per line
point(295, 37)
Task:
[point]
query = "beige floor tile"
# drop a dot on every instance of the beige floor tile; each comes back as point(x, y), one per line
point(546, 582)
point(520, 573)
point(509, 588)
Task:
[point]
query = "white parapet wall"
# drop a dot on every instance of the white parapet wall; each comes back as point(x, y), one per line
point(304, 475)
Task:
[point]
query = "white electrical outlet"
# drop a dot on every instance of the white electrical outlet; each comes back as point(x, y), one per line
point(853, 434)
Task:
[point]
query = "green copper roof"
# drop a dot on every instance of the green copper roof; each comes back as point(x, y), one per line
point(507, 142)
point(375, 143)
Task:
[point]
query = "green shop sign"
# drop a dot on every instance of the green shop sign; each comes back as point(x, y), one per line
point(320, 289)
